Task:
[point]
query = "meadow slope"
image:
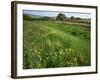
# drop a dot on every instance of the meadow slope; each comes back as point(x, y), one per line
point(50, 44)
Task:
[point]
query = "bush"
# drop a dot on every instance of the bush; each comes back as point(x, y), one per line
point(61, 17)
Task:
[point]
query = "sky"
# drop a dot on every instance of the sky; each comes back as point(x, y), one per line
point(54, 14)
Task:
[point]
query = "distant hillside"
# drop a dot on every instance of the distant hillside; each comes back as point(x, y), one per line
point(30, 17)
point(36, 17)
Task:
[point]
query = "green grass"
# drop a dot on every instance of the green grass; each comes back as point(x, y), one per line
point(50, 44)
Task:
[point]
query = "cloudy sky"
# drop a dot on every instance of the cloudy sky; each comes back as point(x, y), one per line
point(54, 14)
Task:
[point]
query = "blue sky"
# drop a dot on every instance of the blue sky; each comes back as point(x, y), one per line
point(54, 14)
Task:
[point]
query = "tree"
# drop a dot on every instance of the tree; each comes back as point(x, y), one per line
point(78, 18)
point(72, 18)
point(61, 17)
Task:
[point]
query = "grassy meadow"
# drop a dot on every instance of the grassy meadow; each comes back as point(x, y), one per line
point(51, 44)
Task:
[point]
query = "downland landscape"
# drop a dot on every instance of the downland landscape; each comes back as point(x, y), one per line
point(53, 42)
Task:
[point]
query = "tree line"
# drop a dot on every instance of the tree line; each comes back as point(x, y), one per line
point(59, 17)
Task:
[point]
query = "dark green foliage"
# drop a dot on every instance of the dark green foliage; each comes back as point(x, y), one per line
point(77, 18)
point(35, 18)
point(72, 18)
point(61, 17)
point(27, 17)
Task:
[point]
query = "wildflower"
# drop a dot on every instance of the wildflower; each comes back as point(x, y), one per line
point(55, 53)
point(40, 58)
point(66, 49)
point(75, 59)
point(53, 32)
point(39, 51)
point(70, 49)
point(49, 42)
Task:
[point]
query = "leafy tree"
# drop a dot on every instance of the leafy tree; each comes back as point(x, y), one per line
point(72, 18)
point(61, 17)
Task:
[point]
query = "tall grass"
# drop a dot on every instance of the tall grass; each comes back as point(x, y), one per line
point(49, 44)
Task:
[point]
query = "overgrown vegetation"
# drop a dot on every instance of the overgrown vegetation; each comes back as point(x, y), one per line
point(50, 44)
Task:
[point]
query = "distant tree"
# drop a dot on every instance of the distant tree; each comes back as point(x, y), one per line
point(78, 18)
point(61, 17)
point(72, 18)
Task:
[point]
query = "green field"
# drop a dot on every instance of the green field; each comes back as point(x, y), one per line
point(51, 44)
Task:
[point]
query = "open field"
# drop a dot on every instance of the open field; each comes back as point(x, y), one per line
point(51, 44)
